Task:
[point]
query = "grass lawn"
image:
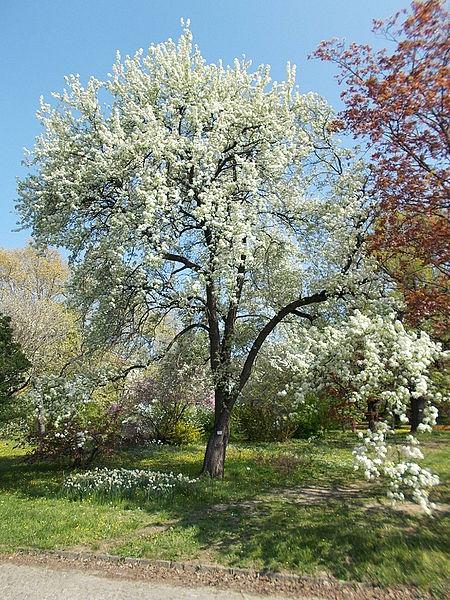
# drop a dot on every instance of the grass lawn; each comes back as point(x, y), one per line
point(297, 506)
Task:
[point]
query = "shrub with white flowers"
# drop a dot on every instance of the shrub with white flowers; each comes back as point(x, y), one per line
point(125, 483)
point(67, 417)
point(373, 360)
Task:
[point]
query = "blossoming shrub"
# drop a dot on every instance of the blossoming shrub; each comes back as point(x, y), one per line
point(372, 361)
point(166, 402)
point(125, 483)
point(161, 410)
point(75, 417)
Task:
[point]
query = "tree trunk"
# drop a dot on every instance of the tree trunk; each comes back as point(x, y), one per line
point(214, 461)
point(417, 408)
point(40, 422)
point(372, 414)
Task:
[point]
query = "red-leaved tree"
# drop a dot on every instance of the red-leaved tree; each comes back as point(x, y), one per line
point(397, 102)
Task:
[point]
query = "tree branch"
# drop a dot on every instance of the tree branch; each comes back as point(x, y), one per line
point(304, 315)
point(269, 327)
point(183, 260)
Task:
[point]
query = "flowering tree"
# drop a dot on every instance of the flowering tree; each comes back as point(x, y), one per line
point(373, 361)
point(201, 191)
point(399, 102)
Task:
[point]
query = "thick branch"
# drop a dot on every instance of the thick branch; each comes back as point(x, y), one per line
point(183, 260)
point(304, 315)
point(269, 327)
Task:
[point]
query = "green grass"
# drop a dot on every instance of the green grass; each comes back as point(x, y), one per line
point(256, 517)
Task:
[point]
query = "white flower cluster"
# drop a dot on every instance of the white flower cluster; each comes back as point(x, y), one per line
point(371, 358)
point(124, 483)
point(381, 460)
point(55, 400)
point(194, 174)
point(374, 360)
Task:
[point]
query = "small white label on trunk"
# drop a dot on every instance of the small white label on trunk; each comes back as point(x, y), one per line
point(219, 432)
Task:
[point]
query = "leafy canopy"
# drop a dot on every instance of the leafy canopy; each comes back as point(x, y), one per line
point(207, 190)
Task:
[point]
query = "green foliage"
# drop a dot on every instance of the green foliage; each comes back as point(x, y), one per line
point(312, 418)
point(266, 421)
point(32, 293)
point(320, 413)
point(13, 362)
point(203, 419)
point(184, 432)
point(266, 412)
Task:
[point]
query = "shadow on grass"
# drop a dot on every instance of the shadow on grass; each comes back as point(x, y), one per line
point(254, 517)
point(18, 475)
point(342, 538)
point(250, 469)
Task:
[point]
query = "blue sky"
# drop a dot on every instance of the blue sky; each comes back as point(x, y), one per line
point(43, 40)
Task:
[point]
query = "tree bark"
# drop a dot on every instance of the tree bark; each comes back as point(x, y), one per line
point(417, 408)
point(214, 461)
point(40, 422)
point(372, 414)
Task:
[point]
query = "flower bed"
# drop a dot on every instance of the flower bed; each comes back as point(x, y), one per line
point(124, 483)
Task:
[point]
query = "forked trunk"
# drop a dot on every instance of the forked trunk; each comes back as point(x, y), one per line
point(214, 461)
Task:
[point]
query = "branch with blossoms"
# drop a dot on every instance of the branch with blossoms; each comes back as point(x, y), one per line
point(372, 361)
point(396, 465)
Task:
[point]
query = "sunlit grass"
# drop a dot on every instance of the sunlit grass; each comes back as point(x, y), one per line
point(256, 517)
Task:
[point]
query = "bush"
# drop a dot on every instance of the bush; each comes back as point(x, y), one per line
point(75, 418)
point(184, 432)
point(265, 421)
point(170, 401)
point(85, 435)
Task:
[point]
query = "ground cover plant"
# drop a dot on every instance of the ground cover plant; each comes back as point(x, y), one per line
point(296, 506)
point(122, 483)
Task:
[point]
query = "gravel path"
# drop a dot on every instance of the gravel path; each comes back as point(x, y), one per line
point(49, 576)
point(23, 582)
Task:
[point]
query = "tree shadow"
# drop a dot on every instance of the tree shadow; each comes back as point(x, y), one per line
point(31, 479)
point(342, 537)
